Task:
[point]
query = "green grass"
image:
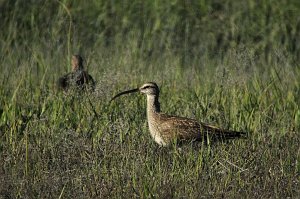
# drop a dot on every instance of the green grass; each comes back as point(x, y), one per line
point(53, 145)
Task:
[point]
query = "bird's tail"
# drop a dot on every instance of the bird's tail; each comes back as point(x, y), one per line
point(219, 133)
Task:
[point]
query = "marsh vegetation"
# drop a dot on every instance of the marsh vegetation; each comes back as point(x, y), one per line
point(234, 64)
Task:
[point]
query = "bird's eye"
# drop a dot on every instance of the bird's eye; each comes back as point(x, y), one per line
point(146, 87)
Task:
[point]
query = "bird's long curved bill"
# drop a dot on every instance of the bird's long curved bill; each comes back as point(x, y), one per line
point(124, 92)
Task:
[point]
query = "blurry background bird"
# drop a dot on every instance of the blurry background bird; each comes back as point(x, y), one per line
point(78, 78)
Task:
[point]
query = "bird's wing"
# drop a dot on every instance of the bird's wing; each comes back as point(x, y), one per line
point(63, 82)
point(222, 133)
point(179, 127)
point(185, 128)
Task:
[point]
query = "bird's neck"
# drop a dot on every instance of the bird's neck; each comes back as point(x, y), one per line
point(153, 115)
point(77, 67)
point(152, 104)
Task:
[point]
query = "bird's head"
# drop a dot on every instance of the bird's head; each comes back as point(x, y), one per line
point(149, 88)
point(77, 63)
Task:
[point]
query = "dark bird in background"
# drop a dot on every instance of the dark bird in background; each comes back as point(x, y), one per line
point(78, 78)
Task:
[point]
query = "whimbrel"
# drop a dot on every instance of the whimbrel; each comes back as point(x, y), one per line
point(165, 128)
point(78, 78)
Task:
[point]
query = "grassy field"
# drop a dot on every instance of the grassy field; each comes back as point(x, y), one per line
point(228, 63)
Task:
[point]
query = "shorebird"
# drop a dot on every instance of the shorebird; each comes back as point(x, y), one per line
point(165, 128)
point(78, 78)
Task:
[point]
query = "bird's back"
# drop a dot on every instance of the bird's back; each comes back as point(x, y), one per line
point(181, 128)
point(77, 79)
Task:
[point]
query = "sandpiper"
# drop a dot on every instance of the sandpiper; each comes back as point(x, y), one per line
point(165, 128)
point(78, 78)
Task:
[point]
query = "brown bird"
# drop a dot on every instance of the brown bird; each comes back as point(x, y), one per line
point(165, 128)
point(78, 78)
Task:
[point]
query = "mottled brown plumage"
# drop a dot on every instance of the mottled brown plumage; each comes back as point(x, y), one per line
point(78, 78)
point(165, 128)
